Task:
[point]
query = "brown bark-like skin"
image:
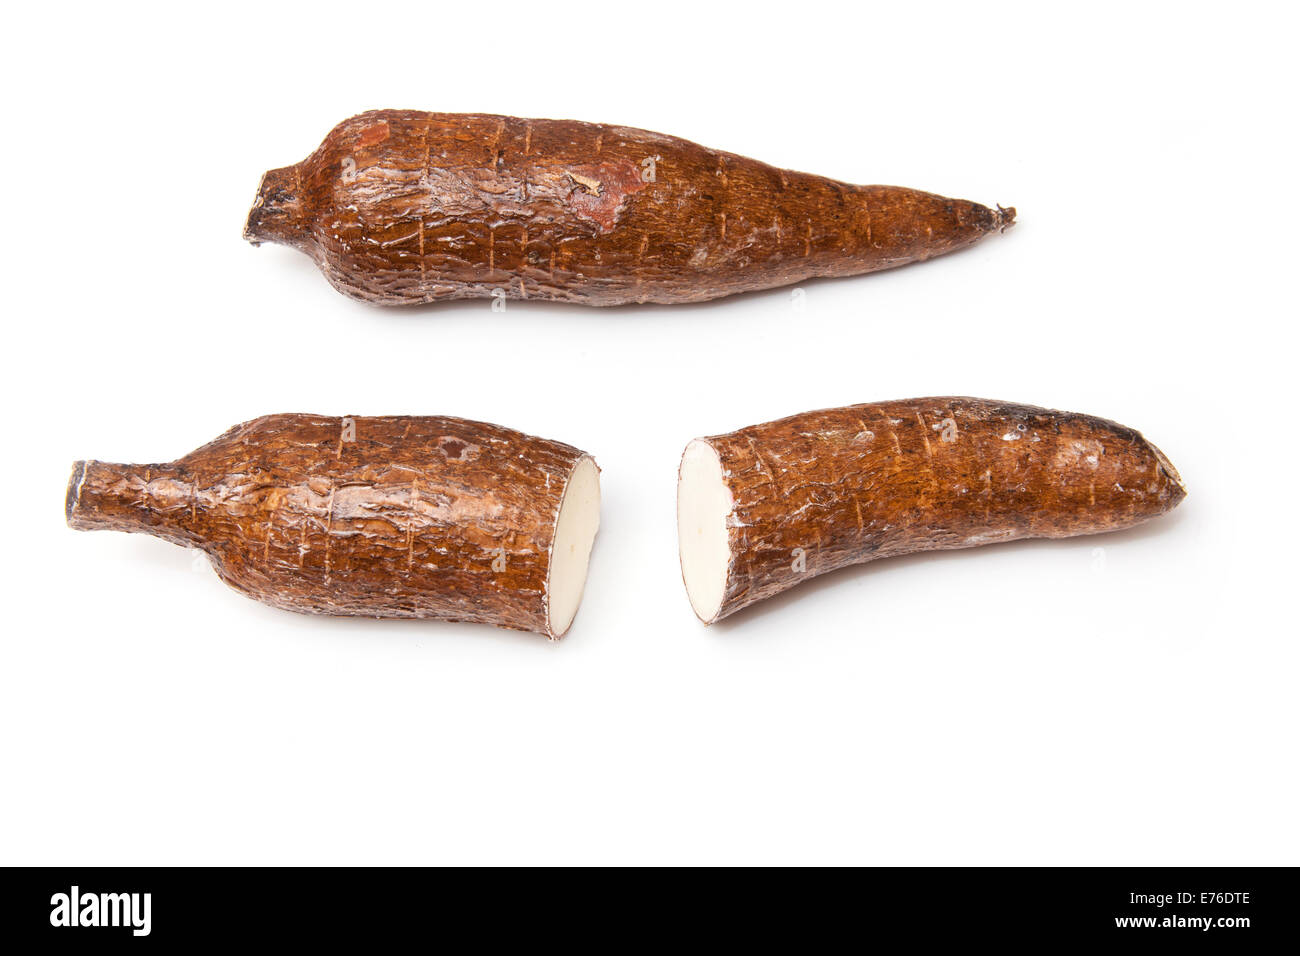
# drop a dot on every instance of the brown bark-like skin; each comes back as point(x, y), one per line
point(850, 485)
point(386, 517)
point(400, 206)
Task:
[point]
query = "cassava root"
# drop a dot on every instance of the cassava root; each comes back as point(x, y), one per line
point(769, 506)
point(399, 207)
point(387, 517)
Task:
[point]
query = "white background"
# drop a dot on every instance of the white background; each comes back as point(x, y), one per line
point(1110, 700)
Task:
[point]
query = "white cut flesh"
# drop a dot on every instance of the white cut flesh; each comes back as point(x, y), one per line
point(575, 530)
point(703, 503)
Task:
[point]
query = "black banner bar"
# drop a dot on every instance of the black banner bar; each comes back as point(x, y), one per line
point(1236, 908)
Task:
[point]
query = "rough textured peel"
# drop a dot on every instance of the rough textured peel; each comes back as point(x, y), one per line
point(401, 206)
point(389, 517)
point(769, 506)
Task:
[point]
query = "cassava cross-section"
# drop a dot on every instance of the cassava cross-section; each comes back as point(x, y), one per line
point(386, 517)
point(762, 509)
point(399, 207)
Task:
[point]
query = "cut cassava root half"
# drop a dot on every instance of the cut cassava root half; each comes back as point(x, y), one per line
point(399, 207)
point(387, 517)
point(762, 509)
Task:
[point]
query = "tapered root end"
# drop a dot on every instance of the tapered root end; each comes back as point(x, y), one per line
point(1177, 490)
point(703, 504)
point(276, 215)
point(575, 531)
point(72, 500)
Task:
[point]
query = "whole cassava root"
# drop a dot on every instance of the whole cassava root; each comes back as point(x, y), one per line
point(400, 207)
point(389, 517)
point(769, 506)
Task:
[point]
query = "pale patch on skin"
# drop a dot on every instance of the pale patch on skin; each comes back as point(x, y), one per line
point(592, 186)
point(1079, 453)
point(989, 537)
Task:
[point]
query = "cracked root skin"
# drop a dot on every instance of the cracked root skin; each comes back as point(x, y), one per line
point(388, 517)
point(400, 207)
point(826, 489)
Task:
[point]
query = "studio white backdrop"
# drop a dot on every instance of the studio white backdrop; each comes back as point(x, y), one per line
point(1119, 699)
